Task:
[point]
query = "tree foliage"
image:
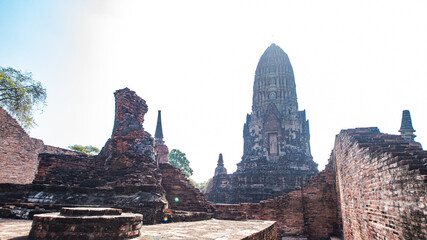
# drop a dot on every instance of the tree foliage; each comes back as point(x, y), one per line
point(204, 186)
point(179, 160)
point(91, 150)
point(19, 94)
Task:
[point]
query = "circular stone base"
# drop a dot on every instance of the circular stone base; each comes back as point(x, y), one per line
point(82, 223)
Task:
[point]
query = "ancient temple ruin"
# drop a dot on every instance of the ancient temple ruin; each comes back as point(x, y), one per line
point(373, 187)
point(276, 152)
point(131, 172)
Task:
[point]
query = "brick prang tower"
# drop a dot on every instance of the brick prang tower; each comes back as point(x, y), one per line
point(276, 152)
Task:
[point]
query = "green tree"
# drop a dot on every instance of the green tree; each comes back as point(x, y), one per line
point(179, 160)
point(19, 94)
point(91, 150)
point(204, 186)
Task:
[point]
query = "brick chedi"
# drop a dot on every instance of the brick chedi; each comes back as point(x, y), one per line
point(129, 151)
point(220, 169)
point(160, 148)
point(406, 130)
point(276, 153)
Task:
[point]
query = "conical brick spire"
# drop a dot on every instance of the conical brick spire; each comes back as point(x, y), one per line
point(220, 169)
point(159, 130)
point(274, 82)
point(161, 150)
point(406, 129)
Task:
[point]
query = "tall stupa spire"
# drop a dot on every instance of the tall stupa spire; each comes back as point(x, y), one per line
point(406, 129)
point(220, 169)
point(160, 149)
point(159, 131)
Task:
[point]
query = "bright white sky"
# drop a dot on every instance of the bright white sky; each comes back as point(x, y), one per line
point(356, 64)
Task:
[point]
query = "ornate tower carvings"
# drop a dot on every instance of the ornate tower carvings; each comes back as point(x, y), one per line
point(274, 83)
point(276, 152)
point(275, 126)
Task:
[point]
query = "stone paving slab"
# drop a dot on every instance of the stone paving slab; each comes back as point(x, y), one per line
point(208, 229)
point(15, 229)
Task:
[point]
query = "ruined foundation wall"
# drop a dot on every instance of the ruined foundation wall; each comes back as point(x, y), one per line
point(382, 184)
point(180, 194)
point(19, 152)
point(67, 170)
point(308, 212)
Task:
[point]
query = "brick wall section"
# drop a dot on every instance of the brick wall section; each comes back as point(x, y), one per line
point(177, 186)
point(19, 152)
point(321, 205)
point(287, 210)
point(308, 212)
point(67, 170)
point(382, 185)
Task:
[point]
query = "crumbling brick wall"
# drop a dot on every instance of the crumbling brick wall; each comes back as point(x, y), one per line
point(311, 211)
point(19, 152)
point(382, 182)
point(180, 194)
point(124, 174)
point(126, 159)
point(67, 170)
